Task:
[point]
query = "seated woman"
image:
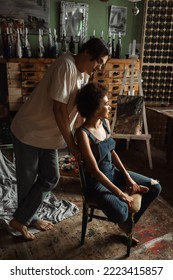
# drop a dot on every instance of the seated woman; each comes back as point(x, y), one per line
point(108, 182)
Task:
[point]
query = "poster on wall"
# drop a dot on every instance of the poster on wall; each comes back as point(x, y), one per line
point(117, 20)
point(34, 13)
point(73, 20)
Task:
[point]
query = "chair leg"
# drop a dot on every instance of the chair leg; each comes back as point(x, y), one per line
point(129, 236)
point(129, 243)
point(84, 223)
point(91, 214)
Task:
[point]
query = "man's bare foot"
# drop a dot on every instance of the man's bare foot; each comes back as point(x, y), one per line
point(42, 225)
point(22, 229)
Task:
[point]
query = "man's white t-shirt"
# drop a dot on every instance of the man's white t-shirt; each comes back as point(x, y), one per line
point(35, 124)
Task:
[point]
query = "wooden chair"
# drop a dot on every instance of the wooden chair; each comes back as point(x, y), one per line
point(89, 207)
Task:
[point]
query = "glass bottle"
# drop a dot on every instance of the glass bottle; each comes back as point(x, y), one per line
point(94, 33)
point(55, 48)
point(157, 3)
point(72, 45)
point(101, 35)
point(110, 45)
point(22, 40)
point(113, 47)
point(170, 4)
point(50, 43)
point(12, 42)
point(7, 45)
point(164, 3)
point(27, 46)
point(150, 3)
point(119, 46)
point(18, 45)
point(63, 44)
point(41, 49)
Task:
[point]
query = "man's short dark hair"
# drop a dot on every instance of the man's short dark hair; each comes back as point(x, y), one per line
point(96, 47)
point(89, 98)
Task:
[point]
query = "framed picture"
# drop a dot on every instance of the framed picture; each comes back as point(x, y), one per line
point(117, 20)
point(73, 20)
point(34, 13)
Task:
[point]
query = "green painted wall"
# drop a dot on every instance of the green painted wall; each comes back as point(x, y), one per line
point(98, 19)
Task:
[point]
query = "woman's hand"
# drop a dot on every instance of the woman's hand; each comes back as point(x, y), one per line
point(126, 198)
point(132, 187)
point(135, 188)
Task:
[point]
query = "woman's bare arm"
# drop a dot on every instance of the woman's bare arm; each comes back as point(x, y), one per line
point(92, 166)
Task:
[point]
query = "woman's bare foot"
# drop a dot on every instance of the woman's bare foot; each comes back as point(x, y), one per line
point(22, 229)
point(137, 189)
point(135, 241)
point(143, 189)
point(42, 225)
point(125, 228)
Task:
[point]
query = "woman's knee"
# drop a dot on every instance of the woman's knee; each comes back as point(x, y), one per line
point(155, 186)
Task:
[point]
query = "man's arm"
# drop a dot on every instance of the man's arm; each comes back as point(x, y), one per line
point(62, 120)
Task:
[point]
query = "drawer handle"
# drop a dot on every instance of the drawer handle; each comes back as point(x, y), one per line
point(30, 74)
point(115, 66)
point(101, 81)
point(115, 81)
point(115, 73)
point(28, 90)
point(30, 82)
point(114, 94)
point(27, 66)
point(114, 88)
point(100, 73)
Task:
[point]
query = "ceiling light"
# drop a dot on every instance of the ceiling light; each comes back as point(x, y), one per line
point(135, 9)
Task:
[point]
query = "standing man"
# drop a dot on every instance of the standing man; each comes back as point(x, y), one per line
point(43, 125)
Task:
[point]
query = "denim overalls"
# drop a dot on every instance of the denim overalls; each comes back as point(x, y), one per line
point(113, 207)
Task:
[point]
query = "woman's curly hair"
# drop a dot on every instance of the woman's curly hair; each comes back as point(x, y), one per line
point(89, 98)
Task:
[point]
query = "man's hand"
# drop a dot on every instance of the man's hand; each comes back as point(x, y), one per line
point(75, 152)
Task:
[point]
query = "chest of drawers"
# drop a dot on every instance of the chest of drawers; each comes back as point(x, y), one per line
point(22, 77)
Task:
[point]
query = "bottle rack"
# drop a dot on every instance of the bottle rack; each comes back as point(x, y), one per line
point(157, 53)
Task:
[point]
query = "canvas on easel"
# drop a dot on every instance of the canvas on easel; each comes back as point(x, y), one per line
point(130, 121)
